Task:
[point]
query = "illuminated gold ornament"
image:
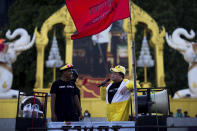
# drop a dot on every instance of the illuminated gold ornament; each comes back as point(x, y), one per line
point(4, 85)
point(194, 85)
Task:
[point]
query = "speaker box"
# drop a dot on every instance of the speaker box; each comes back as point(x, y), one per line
point(148, 121)
point(26, 124)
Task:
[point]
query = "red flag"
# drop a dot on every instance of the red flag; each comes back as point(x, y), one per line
point(93, 16)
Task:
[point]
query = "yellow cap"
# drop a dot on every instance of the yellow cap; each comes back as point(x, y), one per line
point(67, 66)
point(119, 68)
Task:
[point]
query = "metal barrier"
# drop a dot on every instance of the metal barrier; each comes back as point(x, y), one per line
point(91, 126)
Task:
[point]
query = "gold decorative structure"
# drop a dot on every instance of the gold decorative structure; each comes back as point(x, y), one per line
point(61, 16)
point(95, 105)
point(145, 84)
point(145, 60)
point(156, 41)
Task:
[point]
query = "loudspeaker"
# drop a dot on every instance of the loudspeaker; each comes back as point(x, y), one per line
point(160, 102)
point(26, 106)
point(29, 100)
point(154, 103)
point(31, 117)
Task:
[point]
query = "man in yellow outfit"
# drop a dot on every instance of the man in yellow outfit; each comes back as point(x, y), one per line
point(118, 95)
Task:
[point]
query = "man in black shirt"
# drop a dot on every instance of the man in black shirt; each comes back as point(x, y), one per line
point(64, 97)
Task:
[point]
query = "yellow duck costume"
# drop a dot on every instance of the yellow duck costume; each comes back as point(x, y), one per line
point(118, 109)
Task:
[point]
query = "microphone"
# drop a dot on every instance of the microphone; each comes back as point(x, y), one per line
point(104, 82)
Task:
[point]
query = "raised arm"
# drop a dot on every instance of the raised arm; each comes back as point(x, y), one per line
point(129, 86)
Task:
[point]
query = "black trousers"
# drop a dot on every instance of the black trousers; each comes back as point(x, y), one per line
point(73, 117)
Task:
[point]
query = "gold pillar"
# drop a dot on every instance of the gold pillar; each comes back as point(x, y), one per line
point(139, 16)
point(69, 49)
point(68, 31)
point(145, 73)
point(130, 38)
point(145, 84)
point(160, 66)
point(39, 66)
point(129, 49)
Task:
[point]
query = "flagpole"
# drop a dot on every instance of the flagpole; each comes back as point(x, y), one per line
point(134, 69)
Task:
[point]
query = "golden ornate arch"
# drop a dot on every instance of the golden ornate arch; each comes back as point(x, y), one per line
point(156, 41)
point(61, 16)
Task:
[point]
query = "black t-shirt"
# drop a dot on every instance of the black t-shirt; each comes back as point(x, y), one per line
point(112, 91)
point(77, 90)
point(78, 94)
point(64, 103)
